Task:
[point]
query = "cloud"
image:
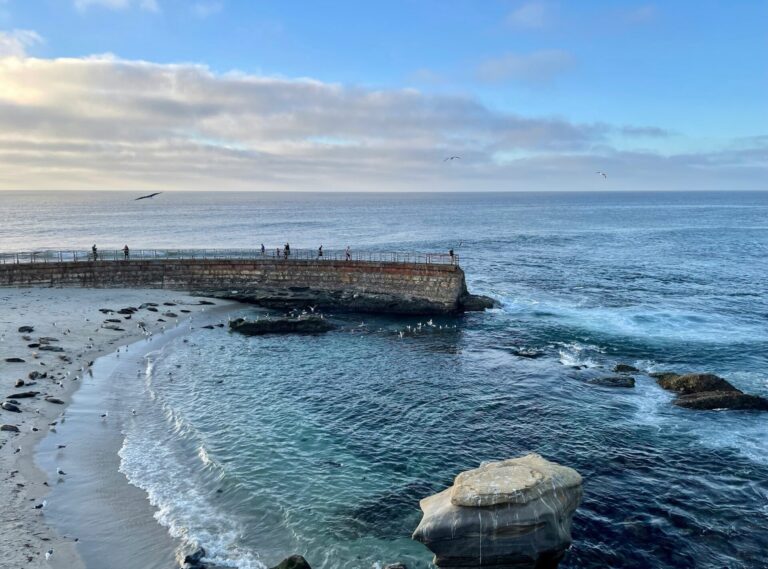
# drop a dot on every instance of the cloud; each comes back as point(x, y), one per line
point(532, 15)
point(16, 42)
point(102, 122)
point(147, 5)
point(538, 67)
point(207, 8)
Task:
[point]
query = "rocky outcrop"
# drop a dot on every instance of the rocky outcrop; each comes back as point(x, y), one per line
point(693, 383)
point(293, 562)
point(300, 325)
point(625, 368)
point(514, 513)
point(706, 391)
point(613, 381)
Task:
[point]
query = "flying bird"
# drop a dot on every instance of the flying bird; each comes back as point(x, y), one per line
point(148, 196)
point(603, 174)
point(451, 158)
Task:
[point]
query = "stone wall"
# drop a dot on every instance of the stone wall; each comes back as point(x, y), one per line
point(356, 285)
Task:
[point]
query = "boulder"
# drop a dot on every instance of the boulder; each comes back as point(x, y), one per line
point(708, 400)
point(9, 428)
point(195, 559)
point(694, 383)
point(613, 381)
point(625, 368)
point(26, 329)
point(514, 513)
point(476, 303)
point(301, 325)
point(293, 562)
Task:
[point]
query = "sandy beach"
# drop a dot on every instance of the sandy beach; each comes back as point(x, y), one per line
point(74, 328)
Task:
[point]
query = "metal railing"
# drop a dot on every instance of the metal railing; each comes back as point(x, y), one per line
point(77, 256)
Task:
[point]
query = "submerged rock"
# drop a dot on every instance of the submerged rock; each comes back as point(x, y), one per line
point(613, 381)
point(513, 513)
point(625, 368)
point(693, 383)
point(293, 562)
point(709, 400)
point(301, 325)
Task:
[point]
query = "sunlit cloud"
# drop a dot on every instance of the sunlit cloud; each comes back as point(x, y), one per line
point(15, 43)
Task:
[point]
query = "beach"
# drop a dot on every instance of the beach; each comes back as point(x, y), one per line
point(72, 317)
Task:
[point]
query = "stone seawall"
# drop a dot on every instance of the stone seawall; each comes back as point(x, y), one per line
point(358, 286)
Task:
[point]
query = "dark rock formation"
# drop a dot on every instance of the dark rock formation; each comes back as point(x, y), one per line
point(613, 381)
point(694, 383)
point(625, 368)
point(301, 325)
point(514, 513)
point(293, 562)
point(475, 303)
point(709, 400)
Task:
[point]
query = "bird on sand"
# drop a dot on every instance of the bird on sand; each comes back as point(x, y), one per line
point(452, 158)
point(41, 505)
point(148, 196)
point(48, 554)
point(603, 174)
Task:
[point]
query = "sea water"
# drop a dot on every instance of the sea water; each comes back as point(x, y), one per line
point(263, 447)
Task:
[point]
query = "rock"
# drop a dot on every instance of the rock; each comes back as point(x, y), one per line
point(476, 303)
point(195, 557)
point(663, 374)
point(26, 329)
point(694, 383)
point(613, 381)
point(9, 428)
point(529, 353)
point(19, 383)
point(14, 360)
point(513, 513)
point(708, 400)
point(23, 395)
point(10, 407)
point(47, 348)
point(301, 325)
point(625, 368)
point(55, 400)
point(293, 562)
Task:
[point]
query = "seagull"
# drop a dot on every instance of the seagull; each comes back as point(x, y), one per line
point(148, 196)
point(603, 174)
point(41, 505)
point(452, 158)
point(104, 415)
point(48, 554)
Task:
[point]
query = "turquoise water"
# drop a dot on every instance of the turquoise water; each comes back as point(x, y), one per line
point(263, 447)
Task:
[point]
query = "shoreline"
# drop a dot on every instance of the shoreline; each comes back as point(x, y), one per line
point(72, 316)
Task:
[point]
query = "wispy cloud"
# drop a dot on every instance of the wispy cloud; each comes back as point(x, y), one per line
point(204, 9)
point(531, 15)
point(104, 122)
point(147, 5)
point(538, 67)
point(15, 42)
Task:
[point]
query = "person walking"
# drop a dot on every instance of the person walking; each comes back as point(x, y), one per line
point(453, 258)
point(348, 253)
point(287, 250)
point(263, 250)
point(95, 252)
point(126, 252)
point(320, 252)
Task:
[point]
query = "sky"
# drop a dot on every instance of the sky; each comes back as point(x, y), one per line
point(373, 96)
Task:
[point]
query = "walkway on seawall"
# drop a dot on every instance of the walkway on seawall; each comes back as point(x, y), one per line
point(382, 282)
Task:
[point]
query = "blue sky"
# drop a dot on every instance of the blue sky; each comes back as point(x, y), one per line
point(664, 80)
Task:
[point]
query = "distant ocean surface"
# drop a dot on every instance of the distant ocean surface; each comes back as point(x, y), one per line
point(324, 445)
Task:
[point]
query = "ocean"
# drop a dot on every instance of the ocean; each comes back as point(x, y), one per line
point(259, 448)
